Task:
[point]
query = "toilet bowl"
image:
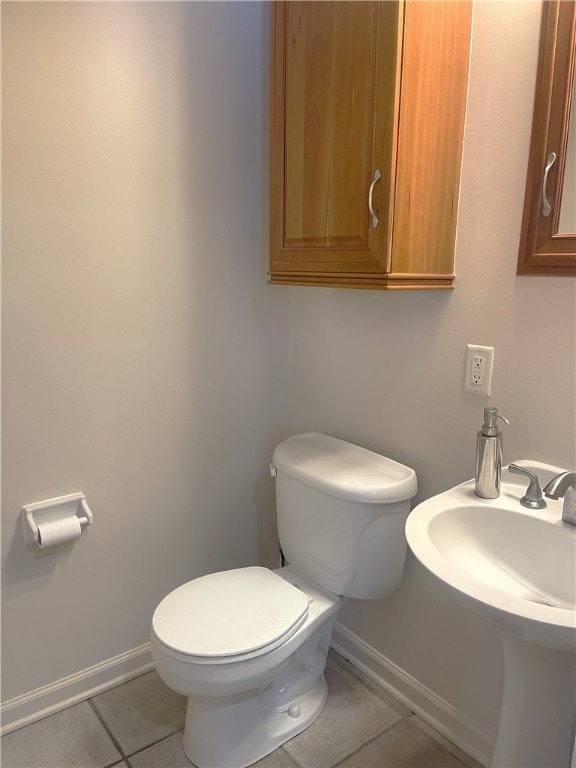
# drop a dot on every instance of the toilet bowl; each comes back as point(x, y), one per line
point(245, 704)
point(248, 646)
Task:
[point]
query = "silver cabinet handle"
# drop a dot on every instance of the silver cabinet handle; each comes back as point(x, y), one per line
point(373, 214)
point(546, 207)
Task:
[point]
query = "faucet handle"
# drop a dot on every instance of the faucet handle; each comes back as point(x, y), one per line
point(533, 498)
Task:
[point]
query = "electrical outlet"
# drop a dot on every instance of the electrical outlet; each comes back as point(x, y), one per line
point(477, 372)
point(479, 367)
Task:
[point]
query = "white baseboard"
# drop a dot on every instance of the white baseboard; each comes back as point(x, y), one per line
point(32, 706)
point(460, 729)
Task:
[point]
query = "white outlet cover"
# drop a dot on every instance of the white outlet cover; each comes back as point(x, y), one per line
point(487, 353)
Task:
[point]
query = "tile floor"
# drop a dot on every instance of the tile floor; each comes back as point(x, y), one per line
point(139, 724)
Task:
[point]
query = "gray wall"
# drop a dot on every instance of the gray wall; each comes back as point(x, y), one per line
point(144, 355)
point(387, 371)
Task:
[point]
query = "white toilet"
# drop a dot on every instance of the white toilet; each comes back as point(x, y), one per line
point(248, 646)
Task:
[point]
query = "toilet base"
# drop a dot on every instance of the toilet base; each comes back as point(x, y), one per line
point(236, 731)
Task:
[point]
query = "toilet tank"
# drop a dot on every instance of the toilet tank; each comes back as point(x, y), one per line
point(341, 513)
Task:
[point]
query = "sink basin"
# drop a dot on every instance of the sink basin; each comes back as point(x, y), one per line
point(516, 566)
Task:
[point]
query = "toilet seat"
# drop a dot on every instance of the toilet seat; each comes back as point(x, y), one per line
point(230, 615)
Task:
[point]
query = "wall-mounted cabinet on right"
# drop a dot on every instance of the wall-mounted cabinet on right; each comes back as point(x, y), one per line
point(368, 115)
point(548, 236)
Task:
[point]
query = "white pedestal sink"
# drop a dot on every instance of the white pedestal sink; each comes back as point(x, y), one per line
point(517, 567)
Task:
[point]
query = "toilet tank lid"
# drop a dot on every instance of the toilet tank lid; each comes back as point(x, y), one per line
point(344, 470)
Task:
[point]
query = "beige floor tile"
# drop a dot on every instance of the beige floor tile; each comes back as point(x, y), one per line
point(166, 754)
point(73, 738)
point(277, 759)
point(403, 746)
point(141, 712)
point(456, 751)
point(352, 715)
point(376, 689)
point(170, 754)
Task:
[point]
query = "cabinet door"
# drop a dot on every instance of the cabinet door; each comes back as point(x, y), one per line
point(334, 93)
point(435, 58)
point(547, 247)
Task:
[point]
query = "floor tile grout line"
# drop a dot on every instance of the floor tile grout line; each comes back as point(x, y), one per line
point(127, 754)
point(346, 665)
point(107, 729)
point(373, 738)
point(387, 729)
point(154, 744)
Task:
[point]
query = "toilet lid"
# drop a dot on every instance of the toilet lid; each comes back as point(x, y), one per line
point(230, 613)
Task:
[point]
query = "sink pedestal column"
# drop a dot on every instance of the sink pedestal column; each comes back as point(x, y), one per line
point(536, 727)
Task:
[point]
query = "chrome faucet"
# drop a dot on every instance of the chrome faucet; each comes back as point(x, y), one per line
point(564, 485)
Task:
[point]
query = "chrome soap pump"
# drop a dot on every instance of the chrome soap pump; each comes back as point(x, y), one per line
point(489, 456)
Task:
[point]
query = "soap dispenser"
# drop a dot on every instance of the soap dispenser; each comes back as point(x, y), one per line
point(489, 456)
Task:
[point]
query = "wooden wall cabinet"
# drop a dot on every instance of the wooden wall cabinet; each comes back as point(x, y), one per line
point(546, 248)
point(368, 109)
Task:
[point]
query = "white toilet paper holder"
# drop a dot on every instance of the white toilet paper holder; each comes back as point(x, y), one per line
point(51, 510)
